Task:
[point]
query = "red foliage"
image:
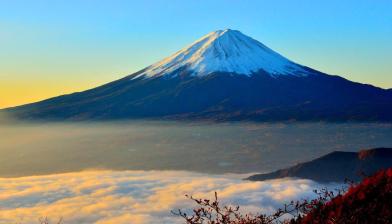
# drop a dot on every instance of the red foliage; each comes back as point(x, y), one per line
point(367, 202)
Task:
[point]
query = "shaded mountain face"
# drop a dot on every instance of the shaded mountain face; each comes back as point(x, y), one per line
point(225, 75)
point(335, 167)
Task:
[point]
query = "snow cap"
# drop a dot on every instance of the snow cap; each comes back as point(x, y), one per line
point(225, 51)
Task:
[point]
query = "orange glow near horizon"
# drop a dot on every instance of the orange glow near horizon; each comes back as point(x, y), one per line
point(29, 91)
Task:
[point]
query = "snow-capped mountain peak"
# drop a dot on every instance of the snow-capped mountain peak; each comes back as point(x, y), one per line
point(225, 51)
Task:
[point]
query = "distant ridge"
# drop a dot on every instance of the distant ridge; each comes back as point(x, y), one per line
point(335, 166)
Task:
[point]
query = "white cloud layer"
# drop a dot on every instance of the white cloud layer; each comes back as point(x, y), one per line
point(136, 196)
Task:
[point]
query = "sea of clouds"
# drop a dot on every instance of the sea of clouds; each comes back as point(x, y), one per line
point(137, 196)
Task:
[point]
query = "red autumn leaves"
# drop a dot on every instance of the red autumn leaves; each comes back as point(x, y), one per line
point(367, 202)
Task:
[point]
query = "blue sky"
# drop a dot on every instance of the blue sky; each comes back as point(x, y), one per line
point(48, 48)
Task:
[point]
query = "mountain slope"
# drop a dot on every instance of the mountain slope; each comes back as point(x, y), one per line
point(335, 167)
point(225, 51)
point(223, 76)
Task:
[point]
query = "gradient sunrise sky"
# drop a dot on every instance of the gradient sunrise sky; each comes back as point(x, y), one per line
point(50, 48)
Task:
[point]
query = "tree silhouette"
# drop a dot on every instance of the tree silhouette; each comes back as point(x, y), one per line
point(369, 201)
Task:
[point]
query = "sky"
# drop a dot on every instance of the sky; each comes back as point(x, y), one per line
point(50, 48)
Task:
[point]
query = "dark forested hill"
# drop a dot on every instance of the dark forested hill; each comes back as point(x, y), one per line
point(335, 167)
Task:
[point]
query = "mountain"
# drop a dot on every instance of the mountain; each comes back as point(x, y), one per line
point(224, 51)
point(335, 167)
point(225, 75)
